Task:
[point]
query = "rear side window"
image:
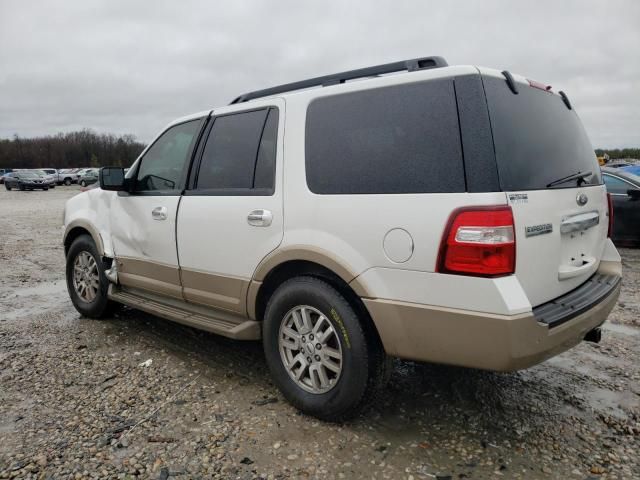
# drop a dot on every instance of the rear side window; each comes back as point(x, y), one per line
point(400, 139)
point(537, 139)
point(240, 152)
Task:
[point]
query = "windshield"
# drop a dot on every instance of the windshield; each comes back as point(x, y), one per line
point(537, 139)
point(29, 175)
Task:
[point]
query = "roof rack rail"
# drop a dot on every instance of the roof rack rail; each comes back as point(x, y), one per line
point(337, 78)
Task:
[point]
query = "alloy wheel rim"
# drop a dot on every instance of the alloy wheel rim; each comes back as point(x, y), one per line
point(86, 278)
point(310, 349)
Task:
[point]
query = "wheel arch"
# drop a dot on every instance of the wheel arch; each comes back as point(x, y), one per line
point(77, 228)
point(260, 291)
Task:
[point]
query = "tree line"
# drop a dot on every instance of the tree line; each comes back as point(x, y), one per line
point(617, 153)
point(84, 148)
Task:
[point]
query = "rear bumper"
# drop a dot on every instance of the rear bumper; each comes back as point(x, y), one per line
point(482, 340)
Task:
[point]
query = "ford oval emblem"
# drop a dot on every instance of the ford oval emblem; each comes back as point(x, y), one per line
point(582, 199)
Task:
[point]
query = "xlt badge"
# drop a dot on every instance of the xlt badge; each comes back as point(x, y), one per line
point(538, 229)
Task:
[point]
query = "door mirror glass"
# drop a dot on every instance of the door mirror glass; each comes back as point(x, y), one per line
point(634, 193)
point(112, 178)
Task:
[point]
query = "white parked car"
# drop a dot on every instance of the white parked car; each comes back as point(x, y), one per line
point(67, 176)
point(448, 214)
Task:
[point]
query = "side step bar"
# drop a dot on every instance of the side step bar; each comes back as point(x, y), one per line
point(219, 322)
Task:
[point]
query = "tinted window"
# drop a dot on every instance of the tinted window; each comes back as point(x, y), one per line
point(229, 157)
point(537, 138)
point(400, 139)
point(616, 185)
point(163, 165)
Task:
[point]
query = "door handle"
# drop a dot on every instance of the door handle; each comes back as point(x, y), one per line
point(159, 213)
point(260, 218)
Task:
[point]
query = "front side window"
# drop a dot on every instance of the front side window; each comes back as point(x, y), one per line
point(240, 152)
point(162, 167)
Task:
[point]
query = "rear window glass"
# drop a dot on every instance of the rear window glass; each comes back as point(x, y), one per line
point(400, 139)
point(537, 139)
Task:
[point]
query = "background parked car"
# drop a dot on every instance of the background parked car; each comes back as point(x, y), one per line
point(624, 188)
point(89, 177)
point(25, 180)
point(51, 178)
point(67, 176)
point(4, 172)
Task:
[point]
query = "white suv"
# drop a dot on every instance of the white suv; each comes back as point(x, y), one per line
point(448, 214)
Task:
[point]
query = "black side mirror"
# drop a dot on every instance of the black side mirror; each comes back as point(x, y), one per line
point(634, 193)
point(112, 178)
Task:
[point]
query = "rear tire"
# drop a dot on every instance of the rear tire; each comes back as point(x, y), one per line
point(83, 183)
point(85, 269)
point(7, 187)
point(67, 181)
point(332, 396)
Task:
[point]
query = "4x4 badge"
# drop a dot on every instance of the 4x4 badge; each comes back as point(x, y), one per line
point(582, 199)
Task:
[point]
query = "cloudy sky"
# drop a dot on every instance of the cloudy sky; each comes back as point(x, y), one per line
point(131, 67)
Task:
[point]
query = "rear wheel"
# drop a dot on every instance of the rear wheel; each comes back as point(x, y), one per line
point(67, 181)
point(86, 281)
point(319, 352)
point(83, 183)
point(6, 185)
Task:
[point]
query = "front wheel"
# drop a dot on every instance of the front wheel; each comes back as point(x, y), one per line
point(86, 281)
point(21, 188)
point(45, 188)
point(7, 187)
point(67, 181)
point(83, 183)
point(321, 356)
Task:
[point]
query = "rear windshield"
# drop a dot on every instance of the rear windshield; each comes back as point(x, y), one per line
point(538, 140)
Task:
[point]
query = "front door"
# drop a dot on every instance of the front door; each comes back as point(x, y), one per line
point(143, 221)
point(232, 217)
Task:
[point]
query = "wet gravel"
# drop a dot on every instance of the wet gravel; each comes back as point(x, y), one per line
point(135, 396)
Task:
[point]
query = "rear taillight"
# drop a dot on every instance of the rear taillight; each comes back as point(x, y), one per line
point(610, 212)
point(479, 241)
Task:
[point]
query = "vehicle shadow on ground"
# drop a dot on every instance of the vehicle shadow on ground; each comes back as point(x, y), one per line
point(429, 393)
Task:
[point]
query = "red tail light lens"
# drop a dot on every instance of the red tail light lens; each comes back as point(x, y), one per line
point(479, 241)
point(610, 207)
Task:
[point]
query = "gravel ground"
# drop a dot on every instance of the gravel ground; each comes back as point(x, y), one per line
point(75, 402)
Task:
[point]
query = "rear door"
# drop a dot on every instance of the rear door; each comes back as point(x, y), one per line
point(232, 217)
point(561, 225)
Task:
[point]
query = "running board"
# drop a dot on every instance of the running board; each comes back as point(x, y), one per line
point(219, 322)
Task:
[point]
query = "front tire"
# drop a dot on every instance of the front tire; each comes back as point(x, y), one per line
point(321, 356)
point(86, 281)
point(21, 188)
point(83, 183)
point(7, 187)
point(67, 181)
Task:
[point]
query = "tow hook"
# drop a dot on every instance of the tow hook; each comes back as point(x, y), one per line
point(594, 335)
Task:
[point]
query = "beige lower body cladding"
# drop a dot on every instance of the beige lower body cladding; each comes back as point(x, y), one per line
point(476, 339)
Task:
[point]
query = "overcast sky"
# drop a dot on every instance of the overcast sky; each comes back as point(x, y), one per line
point(131, 67)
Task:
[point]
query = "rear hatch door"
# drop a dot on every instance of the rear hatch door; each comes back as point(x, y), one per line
point(550, 175)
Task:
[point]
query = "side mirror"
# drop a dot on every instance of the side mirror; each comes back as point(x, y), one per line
point(112, 178)
point(634, 193)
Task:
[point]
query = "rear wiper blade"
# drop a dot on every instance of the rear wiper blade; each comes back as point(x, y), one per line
point(576, 176)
